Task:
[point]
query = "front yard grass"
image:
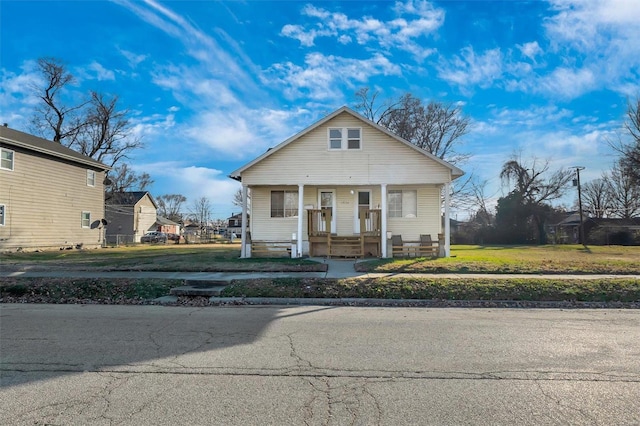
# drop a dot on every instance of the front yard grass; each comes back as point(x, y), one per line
point(169, 258)
point(548, 259)
point(142, 291)
point(529, 289)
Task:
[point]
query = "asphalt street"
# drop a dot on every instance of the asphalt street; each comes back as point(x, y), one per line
point(157, 365)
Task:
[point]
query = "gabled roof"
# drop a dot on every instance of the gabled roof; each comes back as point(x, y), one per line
point(633, 222)
point(161, 220)
point(455, 172)
point(128, 198)
point(16, 138)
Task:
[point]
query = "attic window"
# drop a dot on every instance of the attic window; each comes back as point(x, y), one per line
point(345, 138)
point(91, 178)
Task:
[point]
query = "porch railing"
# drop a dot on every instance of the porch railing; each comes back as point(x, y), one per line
point(319, 222)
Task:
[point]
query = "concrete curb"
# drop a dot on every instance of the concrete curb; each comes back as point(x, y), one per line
point(422, 303)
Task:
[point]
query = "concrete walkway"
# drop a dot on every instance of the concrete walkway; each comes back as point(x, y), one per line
point(336, 269)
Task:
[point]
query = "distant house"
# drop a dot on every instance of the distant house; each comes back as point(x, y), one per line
point(50, 195)
point(567, 230)
point(345, 186)
point(615, 231)
point(234, 224)
point(163, 224)
point(129, 216)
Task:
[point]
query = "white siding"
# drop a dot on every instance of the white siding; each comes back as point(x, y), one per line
point(381, 160)
point(263, 226)
point(427, 220)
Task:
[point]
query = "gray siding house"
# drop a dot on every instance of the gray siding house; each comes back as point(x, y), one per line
point(50, 195)
point(129, 216)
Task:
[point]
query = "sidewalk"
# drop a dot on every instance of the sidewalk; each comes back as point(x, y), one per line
point(336, 269)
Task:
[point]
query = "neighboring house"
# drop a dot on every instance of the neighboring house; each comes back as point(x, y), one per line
point(567, 231)
point(615, 231)
point(234, 224)
point(129, 216)
point(168, 226)
point(50, 195)
point(343, 187)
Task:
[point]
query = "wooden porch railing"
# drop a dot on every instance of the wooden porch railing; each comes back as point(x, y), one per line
point(320, 232)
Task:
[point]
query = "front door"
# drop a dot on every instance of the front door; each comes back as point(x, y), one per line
point(327, 200)
point(363, 203)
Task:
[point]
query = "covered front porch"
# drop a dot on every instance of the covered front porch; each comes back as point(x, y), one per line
point(344, 221)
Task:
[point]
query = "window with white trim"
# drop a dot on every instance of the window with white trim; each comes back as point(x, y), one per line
point(6, 159)
point(402, 203)
point(341, 138)
point(284, 203)
point(86, 219)
point(91, 178)
point(3, 210)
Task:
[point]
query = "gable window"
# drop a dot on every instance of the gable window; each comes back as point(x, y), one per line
point(402, 203)
point(86, 219)
point(6, 159)
point(284, 203)
point(345, 138)
point(91, 178)
point(3, 210)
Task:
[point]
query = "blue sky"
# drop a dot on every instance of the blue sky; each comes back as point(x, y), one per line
point(213, 84)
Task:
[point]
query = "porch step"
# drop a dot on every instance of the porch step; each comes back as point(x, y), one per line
point(345, 246)
point(199, 288)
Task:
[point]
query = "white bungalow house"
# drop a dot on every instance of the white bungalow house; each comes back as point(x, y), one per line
point(345, 186)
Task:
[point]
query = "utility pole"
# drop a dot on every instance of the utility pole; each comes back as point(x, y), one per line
point(576, 182)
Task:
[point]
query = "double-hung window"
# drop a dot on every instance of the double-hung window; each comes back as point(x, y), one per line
point(402, 203)
point(344, 138)
point(284, 203)
point(86, 219)
point(91, 178)
point(6, 159)
point(3, 214)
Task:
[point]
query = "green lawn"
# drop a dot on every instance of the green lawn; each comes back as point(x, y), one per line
point(469, 259)
point(549, 259)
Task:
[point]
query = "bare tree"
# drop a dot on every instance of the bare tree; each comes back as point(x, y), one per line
point(63, 122)
point(237, 198)
point(532, 189)
point(435, 127)
point(200, 211)
point(624, 193)
point(170, 206)
point(107, 135)
point(122, 179)
point(94, 125)
point(631, 158)
point(596, 198)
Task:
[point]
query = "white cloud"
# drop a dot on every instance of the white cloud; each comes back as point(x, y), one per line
point(193, 182)
point(568, 83)
point(101, 73)
point(415, 20)
point(133, 59)
point(470, 69)
point(604, 35)
point(530, 50)
point(324, 77)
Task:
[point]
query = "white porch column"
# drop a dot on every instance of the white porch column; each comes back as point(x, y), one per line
point(383, 219)
point(447, 220)
point(243, 234)
point(300, 218)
